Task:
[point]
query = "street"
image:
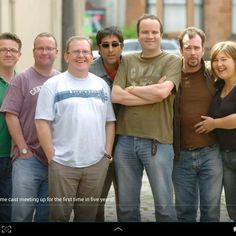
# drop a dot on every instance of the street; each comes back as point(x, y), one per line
point(147, 206)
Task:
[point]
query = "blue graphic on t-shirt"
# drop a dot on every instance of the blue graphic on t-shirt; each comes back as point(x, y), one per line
point(100, 94)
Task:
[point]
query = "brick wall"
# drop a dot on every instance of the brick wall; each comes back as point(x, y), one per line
point(217, 21)
point(134, 9)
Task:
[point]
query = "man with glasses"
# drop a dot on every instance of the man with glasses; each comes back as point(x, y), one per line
point(75, 125)
point(110, 44)
point(10, 52)
point(30, 172)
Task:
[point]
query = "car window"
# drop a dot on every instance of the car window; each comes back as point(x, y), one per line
point(132, 46)
point(167, 45)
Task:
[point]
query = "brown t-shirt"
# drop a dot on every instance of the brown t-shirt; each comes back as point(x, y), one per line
point(195, 100)
point(21, 100)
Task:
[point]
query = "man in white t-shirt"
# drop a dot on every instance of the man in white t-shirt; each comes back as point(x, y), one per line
point(76, 129)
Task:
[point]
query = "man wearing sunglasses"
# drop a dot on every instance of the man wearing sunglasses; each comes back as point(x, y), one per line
point(110, 44)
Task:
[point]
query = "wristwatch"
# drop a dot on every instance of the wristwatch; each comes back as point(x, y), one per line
point(24, 151)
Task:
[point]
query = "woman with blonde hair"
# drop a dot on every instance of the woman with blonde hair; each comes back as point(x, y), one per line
point(222, 116)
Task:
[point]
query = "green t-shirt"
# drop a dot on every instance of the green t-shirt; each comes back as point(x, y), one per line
point(5, 138)
point(153, 121)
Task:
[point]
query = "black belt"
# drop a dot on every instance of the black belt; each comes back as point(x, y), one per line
point(229, 150)
point(192, 149)
point(197, 148)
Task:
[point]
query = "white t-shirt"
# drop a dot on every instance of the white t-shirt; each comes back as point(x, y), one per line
point(78, 110)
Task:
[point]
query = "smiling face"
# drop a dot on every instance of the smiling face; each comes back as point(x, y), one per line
point(150, 37)
point(45, 51)
point(224, 66)
point(9, 53)
point(223, 60)
point(79, 57)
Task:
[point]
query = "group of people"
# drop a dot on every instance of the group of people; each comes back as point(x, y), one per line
point(66, 137)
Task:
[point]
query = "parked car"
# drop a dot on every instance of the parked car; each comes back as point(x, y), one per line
point(95, 54)
point(132, 46)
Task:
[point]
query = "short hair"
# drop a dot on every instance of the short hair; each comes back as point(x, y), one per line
point(192, 32)
point(112, 30)
point(11, 36)
point(79, 38)
point(227, 47)
point(149, 16)
point(45, 34)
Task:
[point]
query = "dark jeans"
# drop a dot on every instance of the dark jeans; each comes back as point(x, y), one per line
point(229, 182)
point(5, 189)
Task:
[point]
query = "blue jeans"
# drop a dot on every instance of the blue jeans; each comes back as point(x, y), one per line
point(198, 174)
point(5, 189)
point(229, 182)
point(29, 190)
point(132, 155)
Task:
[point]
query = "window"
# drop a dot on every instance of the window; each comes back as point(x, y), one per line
point(174, 15)
point(198, 14)
point(151, 6)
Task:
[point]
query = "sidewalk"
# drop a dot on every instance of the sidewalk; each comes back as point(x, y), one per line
point(147, 206)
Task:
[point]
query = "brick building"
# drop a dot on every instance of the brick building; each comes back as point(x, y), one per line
point(216, 18)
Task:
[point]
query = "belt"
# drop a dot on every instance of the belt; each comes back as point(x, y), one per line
point(192, 149)
point(229, 150)
point(197, 148)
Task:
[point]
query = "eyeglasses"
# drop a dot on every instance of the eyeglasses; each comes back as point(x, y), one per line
point(12, 51)
point(47, 49)
point(113, 44)
point(76, 53)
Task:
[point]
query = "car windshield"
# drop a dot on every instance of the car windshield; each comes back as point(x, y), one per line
point(132, 46)
point(135, 46)
point(167, 45)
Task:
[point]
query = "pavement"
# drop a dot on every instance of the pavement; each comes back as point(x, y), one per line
point(147, 205)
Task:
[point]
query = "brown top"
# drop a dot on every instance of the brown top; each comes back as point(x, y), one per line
point(195, 100)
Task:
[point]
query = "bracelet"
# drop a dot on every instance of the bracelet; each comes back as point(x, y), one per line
point(109, 157)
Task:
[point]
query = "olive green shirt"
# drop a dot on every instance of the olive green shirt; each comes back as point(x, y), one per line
point(154, 121)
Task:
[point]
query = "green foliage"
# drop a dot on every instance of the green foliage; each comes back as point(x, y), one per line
point(129, 31)
point(93, 38)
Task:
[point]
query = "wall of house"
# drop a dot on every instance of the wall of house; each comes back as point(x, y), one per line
point(134, 9)
point(28, 18)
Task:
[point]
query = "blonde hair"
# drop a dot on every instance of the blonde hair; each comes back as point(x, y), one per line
point(78, 38)
point(227, 47)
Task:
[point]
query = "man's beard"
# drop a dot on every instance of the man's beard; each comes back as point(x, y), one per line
point(194, 63)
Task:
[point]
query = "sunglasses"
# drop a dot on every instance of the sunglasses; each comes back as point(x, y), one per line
point(113, 44)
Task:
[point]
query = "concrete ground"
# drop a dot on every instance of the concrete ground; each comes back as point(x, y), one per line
point(147, 206)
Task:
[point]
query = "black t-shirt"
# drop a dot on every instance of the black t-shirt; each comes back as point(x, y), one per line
point(221, 107)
